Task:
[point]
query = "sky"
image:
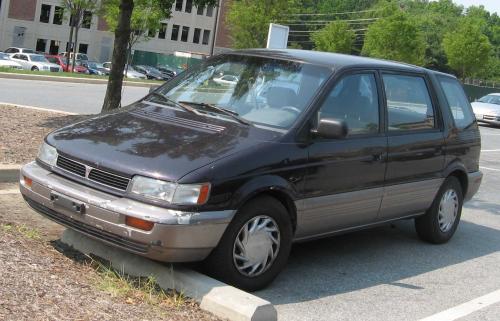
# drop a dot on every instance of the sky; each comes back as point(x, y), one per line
point(490, 5)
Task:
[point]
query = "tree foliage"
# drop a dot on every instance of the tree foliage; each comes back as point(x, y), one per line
point(249, 20)
point(396, 38)
point(467, 48)
point(335, 37)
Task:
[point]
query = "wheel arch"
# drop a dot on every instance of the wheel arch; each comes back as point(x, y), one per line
point(458, 170)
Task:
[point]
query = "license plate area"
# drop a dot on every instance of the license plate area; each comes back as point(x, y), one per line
point(67, 203)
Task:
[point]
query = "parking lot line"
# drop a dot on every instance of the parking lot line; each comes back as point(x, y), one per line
point(466, 308)
point(489, 168)
point(490, 150)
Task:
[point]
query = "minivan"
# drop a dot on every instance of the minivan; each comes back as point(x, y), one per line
point(303, 145)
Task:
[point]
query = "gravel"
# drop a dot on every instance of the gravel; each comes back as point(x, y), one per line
point(23, 129)
point(43, 280)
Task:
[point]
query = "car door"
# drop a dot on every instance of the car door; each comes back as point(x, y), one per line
point(345, 178)
point(19, 59)
point(415, 145)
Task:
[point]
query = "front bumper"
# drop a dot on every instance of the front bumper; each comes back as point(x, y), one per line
point(488, 119)
point(176, 236)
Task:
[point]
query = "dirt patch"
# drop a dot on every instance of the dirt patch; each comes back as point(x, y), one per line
point(44, 280)
point(23, 130)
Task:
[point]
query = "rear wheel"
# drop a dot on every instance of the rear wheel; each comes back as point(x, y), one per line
point(255, 246)
point(441, 220)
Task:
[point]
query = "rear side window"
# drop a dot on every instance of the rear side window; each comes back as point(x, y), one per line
point(409, 105)
point(459, 105)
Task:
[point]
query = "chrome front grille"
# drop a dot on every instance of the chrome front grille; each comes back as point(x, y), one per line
point(490, 117)
point(93, 174)
point(54, 69)
point(71, 166)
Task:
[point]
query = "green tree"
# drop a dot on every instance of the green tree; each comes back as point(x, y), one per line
point(395, 38)
point(249, 20)
point(123, 13)
point(335, 37)
point(467, 48)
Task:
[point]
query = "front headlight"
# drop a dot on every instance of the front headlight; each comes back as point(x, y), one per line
point(179, 194)
point(47, 154)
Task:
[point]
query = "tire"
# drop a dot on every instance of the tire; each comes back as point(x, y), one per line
point(222, 264)
point(434, 227)
point(34, 68)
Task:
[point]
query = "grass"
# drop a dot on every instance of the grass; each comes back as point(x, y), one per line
point(28, 232)
point(135, 289)
point(69, 74)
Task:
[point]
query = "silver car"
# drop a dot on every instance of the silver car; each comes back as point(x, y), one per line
point(487, 109)
point(35, 62)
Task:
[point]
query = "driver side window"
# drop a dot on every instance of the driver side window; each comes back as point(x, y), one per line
point(354, 99)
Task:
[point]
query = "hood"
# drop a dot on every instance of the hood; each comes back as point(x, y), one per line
point(485, 108)
point(154, 141)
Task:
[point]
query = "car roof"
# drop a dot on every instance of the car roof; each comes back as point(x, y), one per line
point(328, 59)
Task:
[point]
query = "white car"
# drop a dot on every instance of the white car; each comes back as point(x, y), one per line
point(487, 109)
point(35, 62)
point(129, 71)
point(6, 62)
point(14, 50)
point(227, 80)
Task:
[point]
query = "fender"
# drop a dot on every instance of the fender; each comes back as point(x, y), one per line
point(454, 165)
point(266, 183)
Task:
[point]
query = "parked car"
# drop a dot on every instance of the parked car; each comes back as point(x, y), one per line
point(61, 61)
point(487, 109)
point(96, 68)
point(79, 56)
point(227, 80)
point(129, 71)
point(6, 62)
point(13, 50)
point(169, 71)
point(35, 62)
point(151, 72)
point(198, 172)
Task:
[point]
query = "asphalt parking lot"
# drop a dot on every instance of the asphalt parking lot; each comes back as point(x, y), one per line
point(387, 273)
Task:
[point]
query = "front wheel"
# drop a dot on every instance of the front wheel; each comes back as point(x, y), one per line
point(255, 246)
point(441, 220)
point(35, 68)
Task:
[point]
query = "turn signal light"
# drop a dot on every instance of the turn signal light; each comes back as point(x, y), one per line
point(204, 191)
point(139, 223)
point(27, 181)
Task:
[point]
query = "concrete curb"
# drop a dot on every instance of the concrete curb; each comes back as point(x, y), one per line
point(9, 173)
point(222, 300)
point(8, 75)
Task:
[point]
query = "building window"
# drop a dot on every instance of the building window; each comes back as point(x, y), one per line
point(45, 13)
point(196, 36)
point(175, 32)
point(54, 47)
point(178, 5)
point(87, 20)
point(206, 37)
point(189, 6)
point(185, 34)
point(163, 31)
point(83, 48)
point(210, 11)
point(199, 11)
point(41, 44)
point(58, 15)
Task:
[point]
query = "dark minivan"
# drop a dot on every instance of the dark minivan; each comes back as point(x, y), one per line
point(301, 145)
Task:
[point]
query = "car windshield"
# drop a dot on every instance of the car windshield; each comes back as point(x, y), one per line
point(262, 91)
point(28, 51)
point(490, 99)
point(4, 56)
point(38, 58)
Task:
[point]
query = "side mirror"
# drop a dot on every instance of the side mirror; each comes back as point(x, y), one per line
point(153, 88)
point(331, 128)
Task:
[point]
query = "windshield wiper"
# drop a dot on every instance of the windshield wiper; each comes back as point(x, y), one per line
point(221, 110)
point(173, 102)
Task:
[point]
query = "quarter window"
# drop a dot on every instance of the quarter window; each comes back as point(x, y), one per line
point(409, 105)
point(459, 105)
point(355, 100)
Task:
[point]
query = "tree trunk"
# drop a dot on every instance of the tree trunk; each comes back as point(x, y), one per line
point(70, 44)
point(75, 49)
point(122, 37)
